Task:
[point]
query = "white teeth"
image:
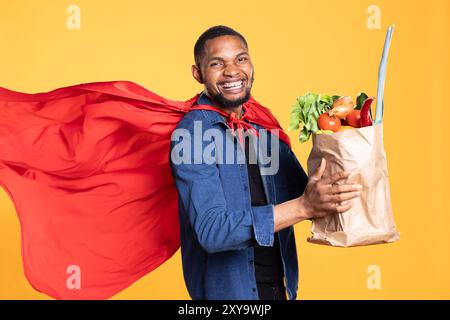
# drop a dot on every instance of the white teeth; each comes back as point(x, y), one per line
point(236, 84)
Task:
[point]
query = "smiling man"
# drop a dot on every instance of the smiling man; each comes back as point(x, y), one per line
point(236, 219)
point(228, 87)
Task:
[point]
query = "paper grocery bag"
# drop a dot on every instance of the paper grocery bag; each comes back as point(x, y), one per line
point(370, 220)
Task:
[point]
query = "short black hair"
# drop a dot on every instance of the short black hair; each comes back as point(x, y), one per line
point(211, 33)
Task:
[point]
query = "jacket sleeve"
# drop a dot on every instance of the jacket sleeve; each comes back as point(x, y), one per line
point(201, 194)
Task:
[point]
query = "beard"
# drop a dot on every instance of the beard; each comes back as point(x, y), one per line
point(220, 99)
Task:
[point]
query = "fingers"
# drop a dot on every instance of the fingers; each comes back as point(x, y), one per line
point(334, 188)
point(319, 172)
point(344, 207)
point(340, 197)
point(339, 207)
point(336, 177)
point(333, 208)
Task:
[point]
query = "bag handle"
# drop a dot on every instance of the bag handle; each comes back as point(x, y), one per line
point(382, 75)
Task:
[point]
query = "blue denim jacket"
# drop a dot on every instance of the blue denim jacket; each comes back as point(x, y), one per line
point(218, 225)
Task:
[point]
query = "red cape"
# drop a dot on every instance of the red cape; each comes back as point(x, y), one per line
point(87, 169)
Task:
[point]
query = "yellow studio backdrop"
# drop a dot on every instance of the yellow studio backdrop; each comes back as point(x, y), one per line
point(297, 46)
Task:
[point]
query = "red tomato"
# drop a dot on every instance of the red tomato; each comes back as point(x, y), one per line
point(354, 118)
point(325, 122)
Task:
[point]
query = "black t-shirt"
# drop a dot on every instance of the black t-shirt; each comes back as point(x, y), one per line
point(268, 263)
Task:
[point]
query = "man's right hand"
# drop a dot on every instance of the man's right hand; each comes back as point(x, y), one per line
point(323, 196)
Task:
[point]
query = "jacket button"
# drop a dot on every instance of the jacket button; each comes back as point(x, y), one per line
point(254, 289)
point(245, 187)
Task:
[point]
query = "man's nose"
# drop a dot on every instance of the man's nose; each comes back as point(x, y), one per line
point(231, 70)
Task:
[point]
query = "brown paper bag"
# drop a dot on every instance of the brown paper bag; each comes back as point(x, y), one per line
point(370, 220)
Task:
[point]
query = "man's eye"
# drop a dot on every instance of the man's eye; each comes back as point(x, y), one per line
point(242, 59)
point(214, 64)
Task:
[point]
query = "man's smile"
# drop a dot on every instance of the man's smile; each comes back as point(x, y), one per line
point(232, 86)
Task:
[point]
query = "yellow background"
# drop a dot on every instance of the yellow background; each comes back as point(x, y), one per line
point(297, 46)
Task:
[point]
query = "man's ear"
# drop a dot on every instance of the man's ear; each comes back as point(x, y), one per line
point(197, 74)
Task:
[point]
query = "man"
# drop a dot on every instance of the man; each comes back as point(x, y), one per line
point(236, 220)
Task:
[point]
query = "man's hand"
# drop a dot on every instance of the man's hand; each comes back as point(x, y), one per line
point(323, 196)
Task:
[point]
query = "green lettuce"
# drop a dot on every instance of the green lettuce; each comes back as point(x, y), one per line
point(305, 112)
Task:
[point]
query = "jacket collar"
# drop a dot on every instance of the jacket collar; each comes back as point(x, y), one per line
point(212, 116)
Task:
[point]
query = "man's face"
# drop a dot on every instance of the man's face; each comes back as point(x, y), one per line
point(226, 71)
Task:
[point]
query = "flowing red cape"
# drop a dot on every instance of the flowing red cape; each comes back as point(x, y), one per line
point(87, 168)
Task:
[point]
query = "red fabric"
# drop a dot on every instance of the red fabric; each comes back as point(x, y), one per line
point(233, 121)
point(87, 169)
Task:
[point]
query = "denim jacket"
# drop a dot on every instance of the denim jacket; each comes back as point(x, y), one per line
point(218, 225)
